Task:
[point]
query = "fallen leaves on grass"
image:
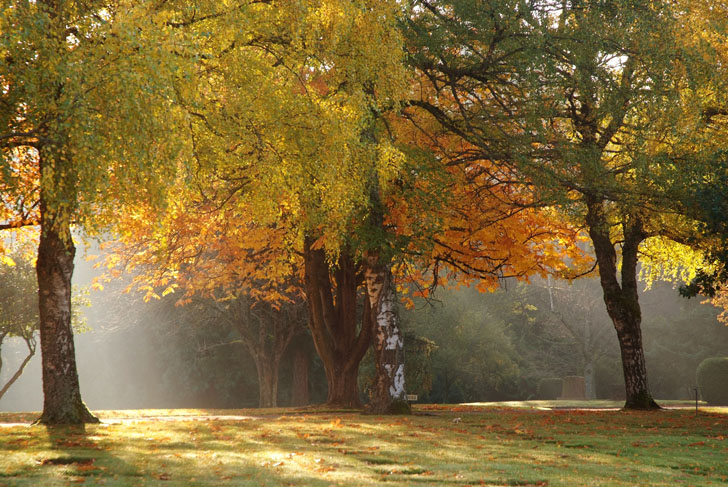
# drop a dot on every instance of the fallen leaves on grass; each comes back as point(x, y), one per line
point(66, 461)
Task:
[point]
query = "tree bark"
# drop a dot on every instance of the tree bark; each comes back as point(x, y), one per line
point(388, 390)
point(267, 381)
point(301, 362)
point(622, 299)
point(62, 402)
point(331, 294)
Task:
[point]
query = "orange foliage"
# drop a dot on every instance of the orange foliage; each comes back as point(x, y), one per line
point(485, 224)
point(19, 198)
point(204, 250)
point(721, 300)
point(452, 219)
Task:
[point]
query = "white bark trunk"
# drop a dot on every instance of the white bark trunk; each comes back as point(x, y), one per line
point(389, 384)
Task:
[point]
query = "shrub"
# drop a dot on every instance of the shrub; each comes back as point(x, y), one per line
point(712, 379)
point(549, 388)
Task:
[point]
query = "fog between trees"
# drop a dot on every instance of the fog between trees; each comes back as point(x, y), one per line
point(485, 347)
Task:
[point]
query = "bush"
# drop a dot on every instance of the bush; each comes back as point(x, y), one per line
point(549, 388)
point(712, 378)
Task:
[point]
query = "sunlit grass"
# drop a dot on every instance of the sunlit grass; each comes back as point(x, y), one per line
point(440, 445)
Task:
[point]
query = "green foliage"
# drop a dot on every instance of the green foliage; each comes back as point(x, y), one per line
point(88, 92)
point(678, 334)
point(475, 358)
point(712, 377)
point(549, 388)
point(286, 96)
point(18, 299)
point(418, 363)
point(575, 336)
point(706, 199)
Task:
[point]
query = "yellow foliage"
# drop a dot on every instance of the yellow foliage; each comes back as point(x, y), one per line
point(666, 260)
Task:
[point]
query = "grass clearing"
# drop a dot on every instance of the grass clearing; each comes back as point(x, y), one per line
point(438, 446)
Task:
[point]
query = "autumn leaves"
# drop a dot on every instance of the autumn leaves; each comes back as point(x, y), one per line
point(266, 148)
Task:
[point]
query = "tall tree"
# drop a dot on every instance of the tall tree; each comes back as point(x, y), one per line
point(579, 101)
point(85, 90)
point(298, 176)
point(281, 170)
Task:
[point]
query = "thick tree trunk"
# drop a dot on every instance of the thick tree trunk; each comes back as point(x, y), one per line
point(62, 402)
point(622, 300)
point(343, 385)
point(331, 294)
point(267, 382)
point(388, 390)
point(299, 389)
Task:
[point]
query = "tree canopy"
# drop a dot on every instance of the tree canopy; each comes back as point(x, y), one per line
point(341, 150)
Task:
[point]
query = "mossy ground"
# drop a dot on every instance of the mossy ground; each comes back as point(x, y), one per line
point(437, 446)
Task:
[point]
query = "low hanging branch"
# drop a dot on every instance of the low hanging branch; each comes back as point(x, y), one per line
point(31, 344)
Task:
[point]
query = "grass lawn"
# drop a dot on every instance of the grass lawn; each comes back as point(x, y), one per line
point(438, 446)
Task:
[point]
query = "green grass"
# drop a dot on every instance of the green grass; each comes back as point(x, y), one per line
point(439, 446)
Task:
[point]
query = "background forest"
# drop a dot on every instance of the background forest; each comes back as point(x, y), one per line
point(462, 346)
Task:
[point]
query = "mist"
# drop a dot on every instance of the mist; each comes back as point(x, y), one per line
point(138, 355)
point(117, 369)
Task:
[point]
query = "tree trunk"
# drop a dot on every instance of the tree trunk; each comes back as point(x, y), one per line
point(267, 382)
point(62, 402)
point(388, 391)
point(343, 386)
point(622, 300)
point(331, 294)
point(633, 365)
point(299, 389)
point(590, 390)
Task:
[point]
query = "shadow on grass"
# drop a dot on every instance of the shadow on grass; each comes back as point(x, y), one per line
point(57, 455)
point(78, 455)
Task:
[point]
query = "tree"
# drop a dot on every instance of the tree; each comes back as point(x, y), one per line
point(577, 101)
point(284, 102)
point(475, 359)
point(19, 311)
point(304, 180)
point(266, 330)
point(86, 101)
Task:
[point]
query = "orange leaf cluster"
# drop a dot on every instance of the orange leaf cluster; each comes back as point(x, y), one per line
point(214, 252)
point(480, 221)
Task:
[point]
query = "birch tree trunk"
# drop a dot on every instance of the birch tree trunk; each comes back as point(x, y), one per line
point(62, 402)
point(388, 390)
